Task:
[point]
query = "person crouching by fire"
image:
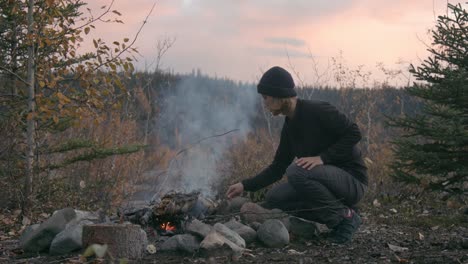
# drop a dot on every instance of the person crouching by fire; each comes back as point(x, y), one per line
point(318, 154)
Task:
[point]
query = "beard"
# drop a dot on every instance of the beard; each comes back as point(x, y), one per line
point(276, 112)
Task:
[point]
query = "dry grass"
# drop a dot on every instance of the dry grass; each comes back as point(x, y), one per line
point(246, 159)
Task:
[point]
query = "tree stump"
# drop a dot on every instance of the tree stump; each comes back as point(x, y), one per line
point(123, 240)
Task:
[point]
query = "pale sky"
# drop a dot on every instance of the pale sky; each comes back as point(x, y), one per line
point(239, 39)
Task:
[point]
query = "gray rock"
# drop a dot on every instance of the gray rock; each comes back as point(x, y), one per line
point(85, 215)
point(282, 216)
point(202, 207)
point(170, 244)
point(237, 203)
point(273, 233)
point(216, 244)
point(27, 233)
point(230, 234)
point(198, 228)
point(185, 242)
point(246, 232)
point(252, 212)
point(231, 206)
point(303, 228)
point(464, 242)
point(70, 239)
point(255, 225)
point(188, 243)
point(40, 239)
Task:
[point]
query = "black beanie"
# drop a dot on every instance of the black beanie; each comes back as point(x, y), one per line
point(277, 82)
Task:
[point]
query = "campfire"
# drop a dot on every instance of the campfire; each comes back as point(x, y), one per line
point(168, 227)
point(187, 222)
point(168, 214)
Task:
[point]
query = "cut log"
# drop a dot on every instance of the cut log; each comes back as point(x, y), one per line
point(123, 240)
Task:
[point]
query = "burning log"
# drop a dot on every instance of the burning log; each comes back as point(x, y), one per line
point(175, 208)
point(175, 204)
point(168, 214)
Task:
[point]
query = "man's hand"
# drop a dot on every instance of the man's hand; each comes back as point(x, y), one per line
point(309, 162)
point(235, 190)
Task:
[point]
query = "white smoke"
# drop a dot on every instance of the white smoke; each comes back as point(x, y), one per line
point(193, 117)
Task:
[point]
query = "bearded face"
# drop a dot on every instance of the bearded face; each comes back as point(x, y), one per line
point(275, 105)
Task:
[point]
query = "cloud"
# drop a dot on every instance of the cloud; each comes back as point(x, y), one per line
point(286, 41)
point(234, 38)
point(279, 52)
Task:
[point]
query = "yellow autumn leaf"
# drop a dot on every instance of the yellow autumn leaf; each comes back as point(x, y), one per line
point(95, 249)
point(63, 98)
point(30, 116)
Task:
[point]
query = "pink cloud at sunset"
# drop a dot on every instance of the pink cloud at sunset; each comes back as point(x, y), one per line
point(239, 39)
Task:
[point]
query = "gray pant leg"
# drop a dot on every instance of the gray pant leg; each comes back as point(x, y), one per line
point(326, 191)
point(283, 196)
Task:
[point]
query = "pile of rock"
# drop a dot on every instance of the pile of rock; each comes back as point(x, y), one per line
point(60, 234)
point(271, 227)
point(244, 222)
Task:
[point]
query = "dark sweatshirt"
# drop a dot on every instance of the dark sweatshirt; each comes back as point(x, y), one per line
point(316, 129)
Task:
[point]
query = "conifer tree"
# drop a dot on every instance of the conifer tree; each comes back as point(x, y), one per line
point(433, 150)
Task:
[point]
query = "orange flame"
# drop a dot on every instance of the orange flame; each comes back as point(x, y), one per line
point(168, 226)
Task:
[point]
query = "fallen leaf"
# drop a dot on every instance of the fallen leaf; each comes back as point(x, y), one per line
point(295, 252)
point(45, 215)
point(397, 248)
point(248, 254)
point(401, 260)
point(26, 221)
point(376, 203)
point(95, 249)
point(421, 236)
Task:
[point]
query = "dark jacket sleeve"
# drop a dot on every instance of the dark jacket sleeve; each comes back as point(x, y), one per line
point(275, 171)
point(347, 135)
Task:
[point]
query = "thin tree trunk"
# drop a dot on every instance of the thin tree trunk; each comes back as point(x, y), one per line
point(30, 118)
point(369, 126)
point(14, 64)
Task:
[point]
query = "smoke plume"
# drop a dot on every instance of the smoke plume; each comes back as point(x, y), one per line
point(193, 117)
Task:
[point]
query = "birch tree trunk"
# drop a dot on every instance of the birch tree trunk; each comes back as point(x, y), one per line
point(31, 112)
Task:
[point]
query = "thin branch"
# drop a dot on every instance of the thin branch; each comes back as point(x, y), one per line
point(280, 214)
point(203, 139)
point(131, 44)
point(182, 151)
point(293, 68)
point(92, 20)
point(14, 74)
point(10, 95)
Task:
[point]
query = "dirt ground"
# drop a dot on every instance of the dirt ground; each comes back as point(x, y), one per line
point(388, 235)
